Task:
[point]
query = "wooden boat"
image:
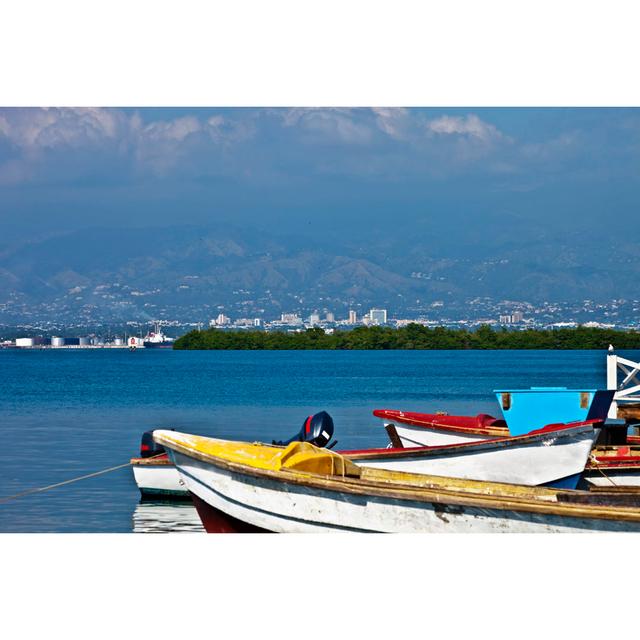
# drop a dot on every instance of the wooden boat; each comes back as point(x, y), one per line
point(555, 454)
point(524, 410)
point(436, 429)
point(617, 466)
point(240, 486)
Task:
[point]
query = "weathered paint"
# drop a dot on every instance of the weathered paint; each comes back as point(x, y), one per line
point(292, 500)
point(535, 459)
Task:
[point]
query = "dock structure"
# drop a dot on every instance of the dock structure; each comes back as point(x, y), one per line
point(623, 375)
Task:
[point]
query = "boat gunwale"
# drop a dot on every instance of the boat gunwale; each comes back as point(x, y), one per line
point(151, 462)
point(540, 500)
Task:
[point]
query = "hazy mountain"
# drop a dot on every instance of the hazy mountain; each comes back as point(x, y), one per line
point(132, 273)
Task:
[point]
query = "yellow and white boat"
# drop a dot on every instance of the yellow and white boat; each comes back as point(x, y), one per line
point(239, 486)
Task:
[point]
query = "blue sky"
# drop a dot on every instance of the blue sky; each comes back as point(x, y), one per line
point(62, 169)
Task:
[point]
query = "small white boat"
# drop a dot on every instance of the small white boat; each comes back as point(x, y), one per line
point(241, 486)
point(555, 454)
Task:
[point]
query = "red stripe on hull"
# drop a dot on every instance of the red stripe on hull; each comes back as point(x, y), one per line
point(215, 521)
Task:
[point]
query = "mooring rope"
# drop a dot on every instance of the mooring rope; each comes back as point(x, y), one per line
point(594, 460)
point(59, 484)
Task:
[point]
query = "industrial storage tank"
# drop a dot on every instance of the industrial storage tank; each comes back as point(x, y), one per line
point(57, 342)
point(25, 342)
point(118, 342)
point(83, 342)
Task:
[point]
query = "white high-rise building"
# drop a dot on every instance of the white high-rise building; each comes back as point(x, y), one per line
point(378, 316)
point(330, 317)
point(314, 318)
point(353, 318)
point(290, 318)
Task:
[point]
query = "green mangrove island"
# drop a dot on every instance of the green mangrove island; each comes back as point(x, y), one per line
point(413, 336)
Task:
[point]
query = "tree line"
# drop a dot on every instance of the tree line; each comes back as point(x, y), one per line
point(412, 336)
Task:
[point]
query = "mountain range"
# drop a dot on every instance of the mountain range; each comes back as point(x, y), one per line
point(187, 271)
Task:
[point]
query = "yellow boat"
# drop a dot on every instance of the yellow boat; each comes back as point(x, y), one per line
point(240, 486)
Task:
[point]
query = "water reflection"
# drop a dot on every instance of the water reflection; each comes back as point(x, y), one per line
point(166, 517)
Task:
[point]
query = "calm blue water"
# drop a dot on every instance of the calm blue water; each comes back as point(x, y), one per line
point(68, 413)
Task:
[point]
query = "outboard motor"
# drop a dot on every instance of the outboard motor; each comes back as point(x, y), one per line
point(149, 447)
point(316, 429)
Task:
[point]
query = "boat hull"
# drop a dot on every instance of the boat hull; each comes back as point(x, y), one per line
point(613, 478)
point(279, 505)
point(530, 460)
point(158, 480)
point(432, 430)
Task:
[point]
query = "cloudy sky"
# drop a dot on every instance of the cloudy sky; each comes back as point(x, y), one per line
point(62, 169)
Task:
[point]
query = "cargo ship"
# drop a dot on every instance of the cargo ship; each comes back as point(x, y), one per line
point(157, 340)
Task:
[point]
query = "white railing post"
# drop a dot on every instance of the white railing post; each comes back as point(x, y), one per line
point(612, 380)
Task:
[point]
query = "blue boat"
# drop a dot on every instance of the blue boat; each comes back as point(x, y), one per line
point(527, 410)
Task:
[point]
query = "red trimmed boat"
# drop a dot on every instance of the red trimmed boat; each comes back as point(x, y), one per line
point(524, 411)
point(435, 429)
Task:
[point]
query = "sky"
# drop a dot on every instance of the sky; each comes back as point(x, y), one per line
point(315, 169)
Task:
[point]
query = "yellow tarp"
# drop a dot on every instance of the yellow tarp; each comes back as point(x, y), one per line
point(299, 456)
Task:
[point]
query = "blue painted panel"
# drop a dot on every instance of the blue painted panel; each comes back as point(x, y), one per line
point(526, 410)
point(570, 482)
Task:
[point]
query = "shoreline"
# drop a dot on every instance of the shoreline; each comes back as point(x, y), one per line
point(413, 337)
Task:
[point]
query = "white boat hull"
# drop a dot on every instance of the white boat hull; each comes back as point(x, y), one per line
point(537, 462)
point(288, 507)
point(613, 478)
point(159, 480)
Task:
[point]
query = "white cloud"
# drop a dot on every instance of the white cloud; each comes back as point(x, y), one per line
point(34, 130)
point(224, 130)
point(329, 124)
point(470, 126)
point(394, 121)
point(157, 146)
point(170, 130)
